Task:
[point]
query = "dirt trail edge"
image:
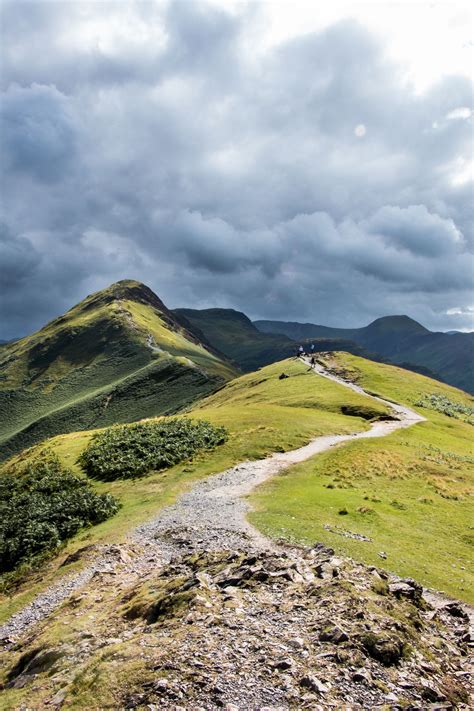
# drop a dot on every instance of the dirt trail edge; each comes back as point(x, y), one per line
point(211, 516)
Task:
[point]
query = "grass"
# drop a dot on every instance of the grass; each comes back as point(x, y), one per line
point(175, 343)
point(410, 493)
point(261, 413)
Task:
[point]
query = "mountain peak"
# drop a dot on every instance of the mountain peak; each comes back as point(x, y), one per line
point(400, 322)
point(124, 290)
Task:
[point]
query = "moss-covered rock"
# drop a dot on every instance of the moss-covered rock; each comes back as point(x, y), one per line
point(385, 648)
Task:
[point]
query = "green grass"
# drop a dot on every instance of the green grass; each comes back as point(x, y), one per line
point(410, 492)
point(176, 343)
point(261, 413)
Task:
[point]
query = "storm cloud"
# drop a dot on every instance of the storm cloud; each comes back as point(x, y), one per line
point(155, 141)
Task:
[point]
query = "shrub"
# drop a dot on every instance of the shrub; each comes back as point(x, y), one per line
point(448, 407)
point(130, 451)
point(43, 505)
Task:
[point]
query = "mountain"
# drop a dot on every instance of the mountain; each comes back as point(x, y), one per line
point(400, 339)
point(251, 345)
point(234, 334)
point(118, 356)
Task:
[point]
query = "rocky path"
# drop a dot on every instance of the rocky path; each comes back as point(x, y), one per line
point(211, 516)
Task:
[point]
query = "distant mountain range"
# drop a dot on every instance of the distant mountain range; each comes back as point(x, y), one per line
point(118, 356)
point(234, 334)
point(393, 339)
point(401, 340)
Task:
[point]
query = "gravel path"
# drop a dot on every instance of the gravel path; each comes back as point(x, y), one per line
point(212, 516)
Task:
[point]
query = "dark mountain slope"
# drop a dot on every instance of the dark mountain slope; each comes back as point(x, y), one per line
point(233, 334)
point(401, 340)
point(118, 356)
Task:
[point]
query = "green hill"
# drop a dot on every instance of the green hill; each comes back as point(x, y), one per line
point(118, 356)
point(234, 335)
point(408, 495)
point(261, 413)
point(407, 492)
point(400, 339)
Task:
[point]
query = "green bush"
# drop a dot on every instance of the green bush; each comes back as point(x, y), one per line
point(41, 506)
point(448, 407)
point(131, 451)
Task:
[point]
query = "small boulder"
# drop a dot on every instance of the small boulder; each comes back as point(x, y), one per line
point(333, 634)
point(326, 570)
point(431, 693)
point(312, 683)
point(361, 676)
point(407, 589)
point(283, 664)
point(36, 661)
point(385, 649)
point(455, 610)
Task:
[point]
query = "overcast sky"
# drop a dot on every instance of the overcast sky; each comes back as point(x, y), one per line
point(300, 161)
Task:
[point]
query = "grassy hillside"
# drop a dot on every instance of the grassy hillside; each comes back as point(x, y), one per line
point(117, 356)
point(232, 333)
point(400, 339)
point(261, 413)
point(409, 493)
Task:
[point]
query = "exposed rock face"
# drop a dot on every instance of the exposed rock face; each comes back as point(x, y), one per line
point(240, 630)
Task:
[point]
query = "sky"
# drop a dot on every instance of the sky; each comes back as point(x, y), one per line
point(293, 160)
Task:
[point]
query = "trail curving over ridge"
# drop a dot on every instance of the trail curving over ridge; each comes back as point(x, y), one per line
point(210, 516)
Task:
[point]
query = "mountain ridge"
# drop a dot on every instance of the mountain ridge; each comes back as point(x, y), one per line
point(400, 339)
point(118, 355)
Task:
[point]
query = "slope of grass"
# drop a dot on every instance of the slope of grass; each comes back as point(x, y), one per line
point(261, 413)
point(176, 342)
point(118, 356)
point(409, 493)
point(163, 386)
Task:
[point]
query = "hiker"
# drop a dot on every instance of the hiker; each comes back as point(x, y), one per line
point(301, 351)
point(312, 348)
point(313, 361)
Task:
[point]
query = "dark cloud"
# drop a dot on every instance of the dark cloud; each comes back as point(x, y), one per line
point(152, 141)
point(37, 135)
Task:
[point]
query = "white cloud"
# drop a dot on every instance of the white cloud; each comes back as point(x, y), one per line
point(463, 112)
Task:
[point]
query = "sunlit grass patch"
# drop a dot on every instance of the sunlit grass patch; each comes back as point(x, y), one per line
point(417, 484)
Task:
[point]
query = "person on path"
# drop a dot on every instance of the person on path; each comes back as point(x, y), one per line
point(301, 351)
